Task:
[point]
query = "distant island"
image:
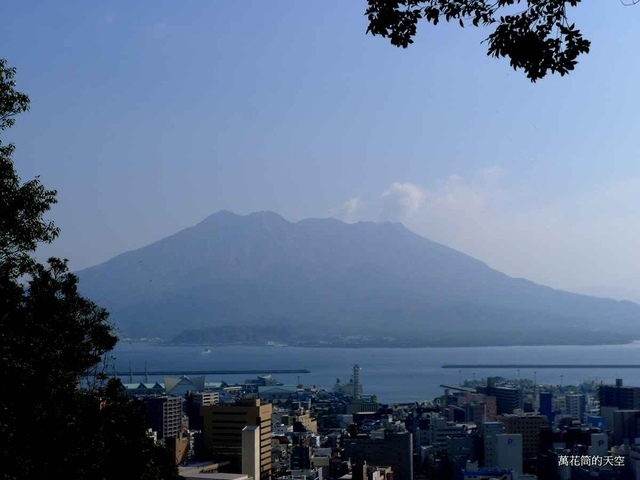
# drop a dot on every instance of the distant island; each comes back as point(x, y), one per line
point(259, 278)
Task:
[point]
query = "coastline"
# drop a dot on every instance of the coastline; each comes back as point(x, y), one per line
point(381, 345)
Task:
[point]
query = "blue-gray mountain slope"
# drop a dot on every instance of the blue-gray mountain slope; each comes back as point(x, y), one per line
point(322, 280)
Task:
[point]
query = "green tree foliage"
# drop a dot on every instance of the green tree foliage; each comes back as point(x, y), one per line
point(50, 338)
point(535, 35)
point(21, 205)
point(116, 445)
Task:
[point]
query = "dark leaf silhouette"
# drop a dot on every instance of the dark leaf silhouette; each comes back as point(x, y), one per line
point(537, 39)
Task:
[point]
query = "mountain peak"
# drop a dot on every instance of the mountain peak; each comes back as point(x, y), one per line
point(325, 275)
point(260, 214)
point(267, 215)
point(222, 214)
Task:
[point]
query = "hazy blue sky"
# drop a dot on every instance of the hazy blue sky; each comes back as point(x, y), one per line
point(149, 116)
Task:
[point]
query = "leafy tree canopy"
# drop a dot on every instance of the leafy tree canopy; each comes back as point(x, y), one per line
point(536, 35)
point(50, 337)
point(22, 206)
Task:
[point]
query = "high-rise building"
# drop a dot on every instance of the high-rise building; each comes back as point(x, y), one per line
point(357, 388)
point(575, 405)
point(626, 426)
point(395, 451)
point(619, 396)
point(508, 399)
point(529, 427)
point(353, 388)
point(508, 451)
point(440, 430)
point(546, 405)
point(489, 431)
point(195, 400)
point(473, 407)
point(164, 415)
point(222, 433)
point(301, 454)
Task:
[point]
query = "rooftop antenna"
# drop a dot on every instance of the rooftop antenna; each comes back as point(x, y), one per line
point(146, 373)
point(130, 373)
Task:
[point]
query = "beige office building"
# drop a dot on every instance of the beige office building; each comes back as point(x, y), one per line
point(222, 433)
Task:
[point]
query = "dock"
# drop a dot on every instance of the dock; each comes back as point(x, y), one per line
point(539, 366)
point(160, 373)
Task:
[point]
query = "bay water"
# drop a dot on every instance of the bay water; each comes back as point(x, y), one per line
point(395, 375)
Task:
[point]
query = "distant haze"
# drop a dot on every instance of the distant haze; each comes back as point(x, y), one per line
point(147, 116)
point(259, 278)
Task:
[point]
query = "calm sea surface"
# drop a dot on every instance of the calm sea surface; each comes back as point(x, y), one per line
point(394, 374)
